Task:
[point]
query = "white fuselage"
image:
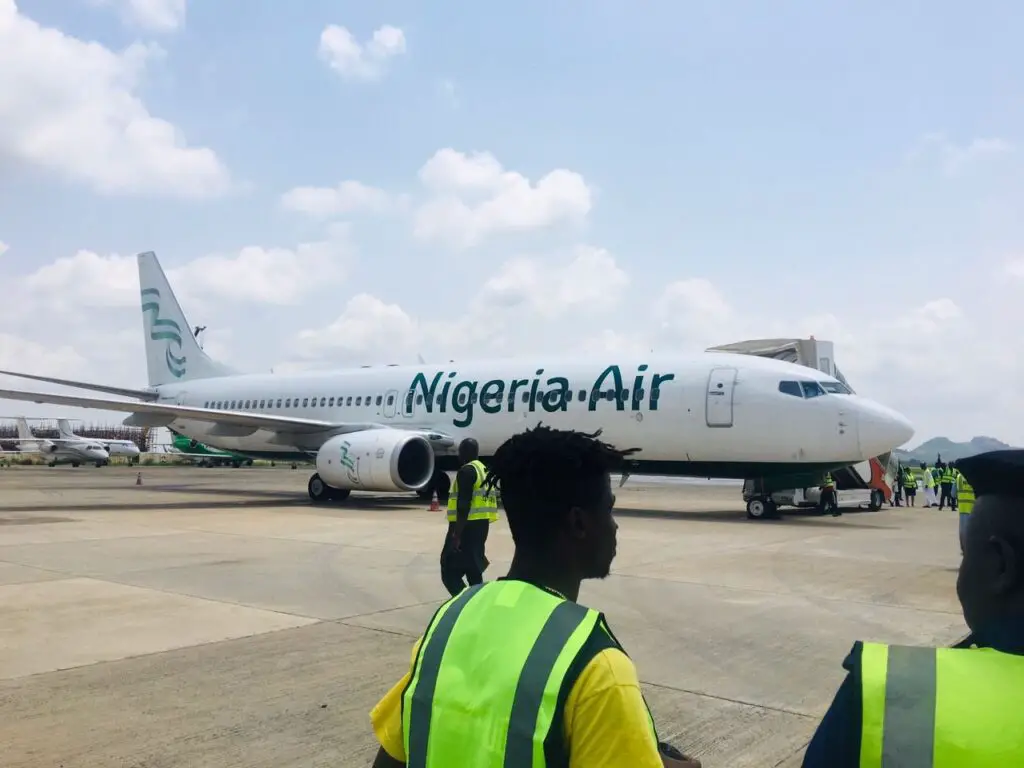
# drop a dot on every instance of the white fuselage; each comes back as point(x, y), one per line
point(121, 447)
point(61, 453)
point(707, 409)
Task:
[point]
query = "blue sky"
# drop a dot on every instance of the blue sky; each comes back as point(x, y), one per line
point(849, 170)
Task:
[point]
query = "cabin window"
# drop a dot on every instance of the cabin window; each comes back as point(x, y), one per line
point(609, 394)
point(348, 400)
point(305, 402)
point(232, 405)
point(526, 397)
point(263, 403)
point(279, 402)
point(791, 388)
point(288, 403)
point(330, 403)
point(583, 395)
point(206, 404)
point(323, 401)
point(379, 400)
point(440, 400)
point(419, 399)
point(359, 400)
point(368, 399)
point(391, 399)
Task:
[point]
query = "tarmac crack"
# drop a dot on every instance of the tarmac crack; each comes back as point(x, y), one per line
point(727, 699)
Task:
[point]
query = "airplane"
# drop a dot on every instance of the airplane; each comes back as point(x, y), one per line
point(396, 428)
point(74, 451)
point(114, 447)
point(208, 457)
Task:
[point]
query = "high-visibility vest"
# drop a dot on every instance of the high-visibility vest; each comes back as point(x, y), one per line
point(829, 482)
point(909, 480)
point(485, 503)
point(964, 496)
point(941, 707)
point(491, 677)
point(947, 476)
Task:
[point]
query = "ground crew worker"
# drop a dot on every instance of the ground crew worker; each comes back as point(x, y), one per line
point(829, 501)
point(946, 487)
point(515, 672)
point(910, 486)
point(471, 510)
point(904, 706)
point(965, 503)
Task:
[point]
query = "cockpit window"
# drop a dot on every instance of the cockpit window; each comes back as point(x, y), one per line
point(836, 388)
point(812, 388)
point(791, 388)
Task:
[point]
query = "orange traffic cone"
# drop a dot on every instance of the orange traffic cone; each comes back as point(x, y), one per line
point(434, 505)
point(138, 479)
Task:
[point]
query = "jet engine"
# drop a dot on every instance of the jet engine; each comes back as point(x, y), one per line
point(376, 460)
point(48, 448)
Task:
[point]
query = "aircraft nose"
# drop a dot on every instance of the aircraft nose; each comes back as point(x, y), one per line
point(881, 429)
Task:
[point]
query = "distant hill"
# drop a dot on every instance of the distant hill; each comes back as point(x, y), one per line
point(929, 450)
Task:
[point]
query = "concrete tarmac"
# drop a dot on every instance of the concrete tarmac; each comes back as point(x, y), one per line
point(213, 617)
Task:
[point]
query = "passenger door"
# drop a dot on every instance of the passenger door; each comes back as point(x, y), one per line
point(719, 401)
point(390, 403)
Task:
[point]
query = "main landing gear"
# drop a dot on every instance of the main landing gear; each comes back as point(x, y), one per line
point(762, 508)
point(321, 493)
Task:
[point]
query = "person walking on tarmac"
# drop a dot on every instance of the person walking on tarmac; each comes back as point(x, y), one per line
point(516, 672)
point(829, 501)
point(471, 509)
point(910, 486)
point(902, 706)
point(965, 505)
point(946, 486)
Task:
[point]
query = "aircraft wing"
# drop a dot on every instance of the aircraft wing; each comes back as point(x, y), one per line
point(142, 394)
point(238, 418)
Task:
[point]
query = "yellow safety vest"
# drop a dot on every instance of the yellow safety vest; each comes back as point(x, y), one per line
point(490, 680)
point(941, 707)
point(485, 503)
point(829, 482)
point(964, 495)
point(947, 476)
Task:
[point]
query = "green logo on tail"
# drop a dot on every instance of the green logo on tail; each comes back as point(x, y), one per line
point(164, 330)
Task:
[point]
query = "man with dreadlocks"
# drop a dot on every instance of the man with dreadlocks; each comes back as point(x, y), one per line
point(515, 673)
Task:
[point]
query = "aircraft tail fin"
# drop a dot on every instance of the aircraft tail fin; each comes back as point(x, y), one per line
point(64, 427)
point(24, 431)
point(172, 352)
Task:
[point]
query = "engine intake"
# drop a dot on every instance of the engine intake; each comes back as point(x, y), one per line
point(376, 460)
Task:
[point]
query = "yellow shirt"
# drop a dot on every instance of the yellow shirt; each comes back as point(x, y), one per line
point(606, 723)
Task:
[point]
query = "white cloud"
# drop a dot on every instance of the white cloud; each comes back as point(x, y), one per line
point(474, 197)
point(85, 279)
point(151, 15)
point(71, 107)
point(1011, 267)
point(328, 202)
point(590, 282)
point(346, 56)
point(4, 247)
point(368, 330)
point(955, 159)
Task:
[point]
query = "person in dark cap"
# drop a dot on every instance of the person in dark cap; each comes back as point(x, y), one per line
point(904, 706)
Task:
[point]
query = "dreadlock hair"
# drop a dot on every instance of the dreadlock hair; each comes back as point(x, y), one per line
point(543, 472)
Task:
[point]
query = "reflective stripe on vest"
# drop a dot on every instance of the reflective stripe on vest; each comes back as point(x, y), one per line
point(947, 477)
point(829, 482)
point(940, 708)
point(490, 673)
point(964, 496)
point(484, 505)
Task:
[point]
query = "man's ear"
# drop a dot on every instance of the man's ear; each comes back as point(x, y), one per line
point(577, 523)
point(1007, 576)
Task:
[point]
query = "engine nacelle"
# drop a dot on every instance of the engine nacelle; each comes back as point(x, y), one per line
point(48, 448)
point(376, 460)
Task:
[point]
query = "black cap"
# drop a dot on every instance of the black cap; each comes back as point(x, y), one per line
point(995, 472)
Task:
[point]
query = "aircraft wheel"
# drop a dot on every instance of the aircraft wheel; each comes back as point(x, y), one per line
point(74, 464)
point(760, 509)
point(319, 491)
point(52, 464)
point(877, 500)
point(338, 494)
